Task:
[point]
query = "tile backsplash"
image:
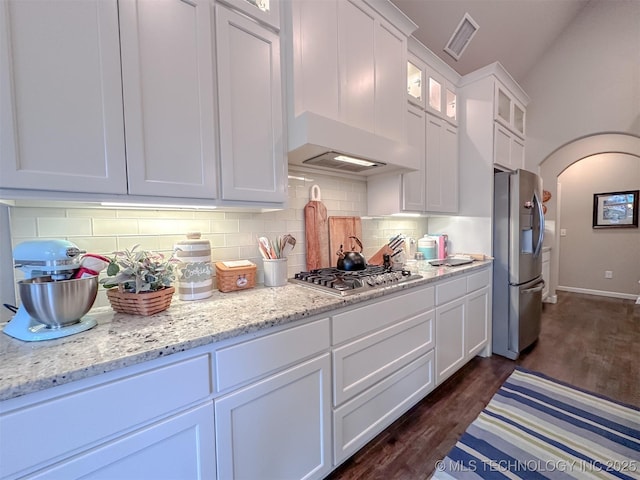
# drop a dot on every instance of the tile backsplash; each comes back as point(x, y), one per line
point(233, 235)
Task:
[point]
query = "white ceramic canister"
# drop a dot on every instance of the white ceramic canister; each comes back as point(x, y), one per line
point(195, 273)
point(428, 247)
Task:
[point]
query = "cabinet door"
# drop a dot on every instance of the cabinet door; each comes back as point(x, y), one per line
point(266, 11)
point(168, 97)
point(477, 322)
point(450, 334)
point(61, 125)
point(390, 77)
point(252, 162)
point(415, 80)
point(357, 61)
point(279, 427)
point(517, 153)
point(501, 146)
point(179, 447)
point(441, 166)
point(413, 183)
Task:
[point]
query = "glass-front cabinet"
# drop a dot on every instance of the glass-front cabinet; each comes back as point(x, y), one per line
point(427, 88)
point(265, 11)
point(415, 80)
point(508, 111)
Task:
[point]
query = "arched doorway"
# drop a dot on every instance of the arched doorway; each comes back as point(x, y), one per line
point(557, 162)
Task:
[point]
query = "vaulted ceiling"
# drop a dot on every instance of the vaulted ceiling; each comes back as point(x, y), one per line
point(514, 32)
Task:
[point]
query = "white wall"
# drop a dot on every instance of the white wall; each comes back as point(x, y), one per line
point(585, 252)
point(232, 235)
point(585, 98)
point(588, 81)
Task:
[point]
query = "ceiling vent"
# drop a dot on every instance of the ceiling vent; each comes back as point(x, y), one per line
point(461, 37)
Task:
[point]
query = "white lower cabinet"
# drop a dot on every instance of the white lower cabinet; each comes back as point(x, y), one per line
point(178, 447)
point(450, 352)
point(288, 403)
point(277, 428)
point(463, 319)
point(110, 426)
point(382, 365)
point(359, 420)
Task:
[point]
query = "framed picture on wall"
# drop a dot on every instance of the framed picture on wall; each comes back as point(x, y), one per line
point(615, 209)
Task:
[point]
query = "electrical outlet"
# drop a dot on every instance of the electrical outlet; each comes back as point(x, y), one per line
point(608, 274)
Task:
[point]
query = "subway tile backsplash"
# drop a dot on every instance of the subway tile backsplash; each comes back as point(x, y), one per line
point(233, 235)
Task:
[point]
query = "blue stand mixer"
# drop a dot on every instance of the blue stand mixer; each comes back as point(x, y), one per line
point(53, 302)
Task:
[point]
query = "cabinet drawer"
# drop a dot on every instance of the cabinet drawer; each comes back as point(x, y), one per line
point(359, 420)
point(86, 416)
point(476, 281)
point(240, 363)
point(380, 314)
point(447, 291)
point(360, 364)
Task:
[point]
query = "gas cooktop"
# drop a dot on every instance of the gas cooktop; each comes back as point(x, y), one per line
point(343, 283)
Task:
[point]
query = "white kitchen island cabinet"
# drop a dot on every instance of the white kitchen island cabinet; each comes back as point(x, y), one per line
point(61, 119)
point(252, 148)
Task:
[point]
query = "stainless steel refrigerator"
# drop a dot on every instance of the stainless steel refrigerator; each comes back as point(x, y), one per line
point(518, 231)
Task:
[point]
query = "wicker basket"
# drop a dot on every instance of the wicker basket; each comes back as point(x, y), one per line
point(232, 278)
point(146, 304)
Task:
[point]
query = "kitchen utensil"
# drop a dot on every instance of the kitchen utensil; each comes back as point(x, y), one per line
point(351, 260)
point(53, 304)
point(289, 244)
point(58, 303)
point(316, 231)
point(340, 231)
point(266, 248)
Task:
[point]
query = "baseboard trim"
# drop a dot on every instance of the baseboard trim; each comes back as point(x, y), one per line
point(600, 293)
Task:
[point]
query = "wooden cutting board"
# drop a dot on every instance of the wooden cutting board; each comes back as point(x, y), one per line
point(340, 229)
point(316, 227)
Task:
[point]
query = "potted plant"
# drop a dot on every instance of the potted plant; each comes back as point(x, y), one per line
point(139, 281)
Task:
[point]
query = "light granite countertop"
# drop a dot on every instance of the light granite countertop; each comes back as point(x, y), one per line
point(121, 340)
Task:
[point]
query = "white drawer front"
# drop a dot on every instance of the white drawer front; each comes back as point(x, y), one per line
point(252, 359)
point(380, 314)
point(359, 420)
point(360, 364)
point(81, 418)
point(447, 291)
point(476, 281)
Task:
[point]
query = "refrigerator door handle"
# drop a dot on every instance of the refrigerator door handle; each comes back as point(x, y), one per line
point(537, 288)
point(538, 203)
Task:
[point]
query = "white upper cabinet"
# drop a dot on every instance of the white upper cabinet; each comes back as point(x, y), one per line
point(144, 98)
point(429, 89)
point(508, 110)
point(61, 124)
point(252, 151)
point(265, 11)
point(349, 64)
point(415, 80)
point(441, 166)
point(167, 75)
point(372, 59)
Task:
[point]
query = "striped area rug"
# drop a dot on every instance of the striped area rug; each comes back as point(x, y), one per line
point(537, 427)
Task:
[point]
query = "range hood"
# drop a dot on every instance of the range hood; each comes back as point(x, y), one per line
point(325, 144)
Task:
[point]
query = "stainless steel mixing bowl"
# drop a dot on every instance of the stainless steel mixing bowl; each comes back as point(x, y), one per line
point(58, 303)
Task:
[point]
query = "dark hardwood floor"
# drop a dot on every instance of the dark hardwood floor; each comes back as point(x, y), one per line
point(590, 342)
